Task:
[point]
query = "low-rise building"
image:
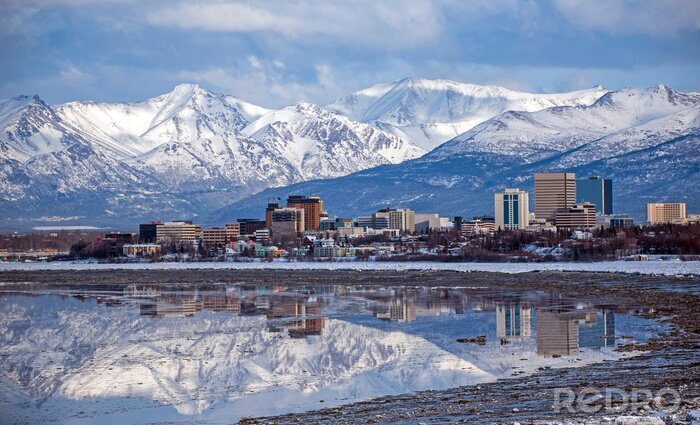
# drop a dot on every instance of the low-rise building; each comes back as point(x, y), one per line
point(580, 234)
point(426, 222)
point(177, 231)
point(263, 235)
point(477, 227)
point(350, 232)
point(331, 250)
point(214, 236)
point(141, 250)
point(621, 221)
point(577, 216)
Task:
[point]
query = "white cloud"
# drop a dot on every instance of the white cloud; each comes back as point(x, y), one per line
point(654, 17)
point(390, 23)
point(71, 73)
point(264, 87)
point(325, 76)
point(254, 62)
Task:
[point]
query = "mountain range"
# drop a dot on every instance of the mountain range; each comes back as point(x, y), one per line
point(196, 154)
point(180, 154)
point(431, 112)
point(647, 141)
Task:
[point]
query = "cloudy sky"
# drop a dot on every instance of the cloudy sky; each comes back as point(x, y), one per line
point(278, 52)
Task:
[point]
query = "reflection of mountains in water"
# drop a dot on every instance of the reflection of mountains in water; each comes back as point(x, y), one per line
point(247, 347)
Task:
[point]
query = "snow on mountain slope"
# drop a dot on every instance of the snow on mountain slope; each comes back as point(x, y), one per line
point(658, 112)
point(647, 141)
point(188, 144)
point(430, 112)
point(322, 142)
point(355, 105)
point(30, 127)
point(136, 128)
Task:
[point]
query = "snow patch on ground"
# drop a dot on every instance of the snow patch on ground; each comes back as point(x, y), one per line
point(668, 268)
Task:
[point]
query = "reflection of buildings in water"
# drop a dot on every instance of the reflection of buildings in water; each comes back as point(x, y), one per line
point(306, 327)
point(305, 315)
point(597, 329)
point(513, 321)
point(143, 291)
point(557, 333)
point(171, 307)
point(222, 302)
point(563, 333)
point(398, 309)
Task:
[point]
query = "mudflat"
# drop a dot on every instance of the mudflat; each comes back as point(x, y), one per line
point(671, 360)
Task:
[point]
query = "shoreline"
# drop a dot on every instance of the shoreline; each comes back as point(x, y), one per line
point(668, 268)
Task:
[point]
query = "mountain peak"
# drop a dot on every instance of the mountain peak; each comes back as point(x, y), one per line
point(26, 99)
point(187, 87)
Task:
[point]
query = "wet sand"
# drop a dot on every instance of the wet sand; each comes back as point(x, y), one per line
point(671, 361)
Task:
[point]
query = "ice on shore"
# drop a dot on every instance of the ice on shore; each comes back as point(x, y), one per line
point(638, 267)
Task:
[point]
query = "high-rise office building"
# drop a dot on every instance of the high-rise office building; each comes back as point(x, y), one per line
point(268, 213)
point(597, 191)
point(313, 209)
point(511, 209)
point(287, 222)
point(553, 192)
point(403, 219)
point(666, 212)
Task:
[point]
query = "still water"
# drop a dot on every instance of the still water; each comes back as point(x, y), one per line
point(217, 353)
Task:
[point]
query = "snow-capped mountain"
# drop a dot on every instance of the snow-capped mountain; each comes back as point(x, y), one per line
point(175, 155)
point(190, 152)
point(430, 112)
point(647, 141)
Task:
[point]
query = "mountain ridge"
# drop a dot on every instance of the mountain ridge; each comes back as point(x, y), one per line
point(645, 140)
point(430, 112)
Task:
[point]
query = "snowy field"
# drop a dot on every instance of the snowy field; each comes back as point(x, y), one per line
point(674, 267)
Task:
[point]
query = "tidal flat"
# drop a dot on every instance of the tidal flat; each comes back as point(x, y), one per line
point(319, 346)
